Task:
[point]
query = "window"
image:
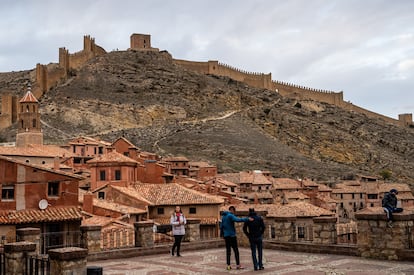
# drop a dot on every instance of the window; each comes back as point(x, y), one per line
point(100, 150)
point(372, 196)
point(301, 232)
point(117, 174)
point(126, 154)
point(74, 149)
point(360, 196)
point(102, 175)
point(101, 195)
point(53, 189)
point(342, 196)
point(353, 196)
point(34, 123)
point(7, 192)
point(193, 210)
point(160, 211)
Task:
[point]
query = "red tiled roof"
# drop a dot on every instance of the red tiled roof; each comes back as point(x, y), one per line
point(36, 150)
point(233, 177)
point(43, 168)
point(175, 159)
point(401, 187)
point(168, 194)
point(291, 209)
point(88, 140)
point(131, 145)
point(116, 207)
point(112, 157)
point(51, 214)
point(28, 97)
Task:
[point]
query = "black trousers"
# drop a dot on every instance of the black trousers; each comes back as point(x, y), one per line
point(231, 243)
point(177, 243)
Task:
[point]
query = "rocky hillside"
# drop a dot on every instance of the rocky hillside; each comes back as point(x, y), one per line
point(165, 109)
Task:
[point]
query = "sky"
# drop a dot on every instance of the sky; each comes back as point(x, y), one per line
point(363, 48)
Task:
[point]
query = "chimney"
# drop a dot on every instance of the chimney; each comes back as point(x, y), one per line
point(88, 202)
point(56, 163)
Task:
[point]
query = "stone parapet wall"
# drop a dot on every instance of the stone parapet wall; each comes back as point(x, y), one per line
point(192, 232)
point(377, 240)
point(324, 230)
point(144, 234)
point(91, 237)
point(68, 260)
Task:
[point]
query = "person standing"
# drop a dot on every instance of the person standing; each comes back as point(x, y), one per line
point(254, 229)
point(228, 231)
point(178, 222)
point(389, 203)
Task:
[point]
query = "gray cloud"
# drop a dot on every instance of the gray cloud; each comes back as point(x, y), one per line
point(361, 47)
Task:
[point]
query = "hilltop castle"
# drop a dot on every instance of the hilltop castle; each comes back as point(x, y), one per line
point(51, 75)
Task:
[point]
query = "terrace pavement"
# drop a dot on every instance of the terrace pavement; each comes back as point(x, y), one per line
point(213, 261)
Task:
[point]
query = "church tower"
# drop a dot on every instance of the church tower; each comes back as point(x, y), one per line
point(28, 118)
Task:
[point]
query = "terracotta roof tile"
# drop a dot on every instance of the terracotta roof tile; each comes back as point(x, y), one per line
point(89, 140)
point(131, 145)
point(116, 207)
point(233, 177)
point(175, 159)
point(36, 150)
point(43, 168)
point(401, 187)
point(51, 214)
point(291, 209)
point(168, 194)
point(112, 157)
point(296, 195)
point(28, 97)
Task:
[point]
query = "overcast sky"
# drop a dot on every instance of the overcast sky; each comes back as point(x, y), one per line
point(364, 48)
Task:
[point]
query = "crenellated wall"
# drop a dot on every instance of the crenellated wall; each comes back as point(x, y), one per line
point(260, 80)
point(48, 76)
point(301, 92)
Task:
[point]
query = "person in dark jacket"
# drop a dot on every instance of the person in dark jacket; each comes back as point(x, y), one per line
point(254, 229)
point(389, 203)
point(228, 231)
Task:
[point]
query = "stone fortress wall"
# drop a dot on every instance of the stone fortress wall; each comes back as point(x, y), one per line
point(51, 75)
point(260, 80)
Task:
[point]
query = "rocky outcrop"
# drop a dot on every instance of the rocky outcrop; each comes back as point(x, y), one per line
point(163, 108)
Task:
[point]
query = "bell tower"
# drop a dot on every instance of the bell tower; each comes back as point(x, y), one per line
point(28, 119)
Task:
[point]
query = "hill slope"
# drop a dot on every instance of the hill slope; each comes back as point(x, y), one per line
point(165, 109)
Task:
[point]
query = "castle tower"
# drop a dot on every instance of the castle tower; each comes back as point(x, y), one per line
point(140, 41)
point(28, 118)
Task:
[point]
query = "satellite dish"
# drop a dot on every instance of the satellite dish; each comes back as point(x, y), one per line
point(43, 204)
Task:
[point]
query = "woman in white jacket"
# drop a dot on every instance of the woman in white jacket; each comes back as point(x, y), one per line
point(178, 222)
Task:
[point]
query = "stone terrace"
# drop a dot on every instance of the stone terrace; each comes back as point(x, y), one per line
point(212, 261)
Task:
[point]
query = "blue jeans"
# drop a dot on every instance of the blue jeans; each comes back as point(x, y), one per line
point(390, 210)
point(257, 244)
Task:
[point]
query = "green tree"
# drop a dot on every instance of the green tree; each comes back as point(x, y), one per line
point(386, 174)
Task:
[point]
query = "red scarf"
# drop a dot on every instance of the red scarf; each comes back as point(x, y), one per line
point(178, 214)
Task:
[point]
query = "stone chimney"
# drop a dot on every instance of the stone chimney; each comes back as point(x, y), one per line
point(56, 163)
point(88, 202)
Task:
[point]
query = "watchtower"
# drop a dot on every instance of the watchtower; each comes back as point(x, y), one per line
point(140, 41)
